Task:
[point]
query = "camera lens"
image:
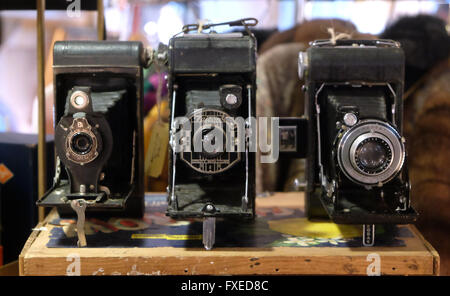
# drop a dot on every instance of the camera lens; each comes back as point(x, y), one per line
point(373, 155)
point(371, 152)
point(81, 143)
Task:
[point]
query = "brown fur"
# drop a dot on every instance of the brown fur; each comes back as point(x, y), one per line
point(429, 161)
point(277, 38)
point(312, 30)
point(278, 94)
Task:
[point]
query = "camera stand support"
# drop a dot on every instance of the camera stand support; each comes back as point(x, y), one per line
point(79, 206)
point(368, 235)
point(209, 232)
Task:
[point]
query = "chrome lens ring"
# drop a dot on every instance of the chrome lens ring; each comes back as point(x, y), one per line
point(371, 130)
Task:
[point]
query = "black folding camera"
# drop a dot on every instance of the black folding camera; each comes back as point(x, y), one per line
point(98, 128)
point(356, 158)
point(212, 85)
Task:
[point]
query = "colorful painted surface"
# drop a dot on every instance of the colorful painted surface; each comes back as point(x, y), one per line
point(273, 227)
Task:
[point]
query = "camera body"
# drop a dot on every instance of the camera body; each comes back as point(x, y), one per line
point(356, 159)
point(212, 83)
point(98, 127)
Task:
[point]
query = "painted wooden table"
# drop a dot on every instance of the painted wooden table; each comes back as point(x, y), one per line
point(280, 241)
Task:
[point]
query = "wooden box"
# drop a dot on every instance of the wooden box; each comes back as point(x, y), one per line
point(280, 241)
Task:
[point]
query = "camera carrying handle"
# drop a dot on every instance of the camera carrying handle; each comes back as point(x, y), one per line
point(245, 22)
point(355, 42)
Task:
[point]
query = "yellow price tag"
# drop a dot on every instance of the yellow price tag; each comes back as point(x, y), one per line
point(157, 149)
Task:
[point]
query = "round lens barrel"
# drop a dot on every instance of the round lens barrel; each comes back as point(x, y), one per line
point(373, 155)
point(81, 143)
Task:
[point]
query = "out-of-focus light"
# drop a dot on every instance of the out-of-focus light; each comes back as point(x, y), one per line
point(368, 16)
point(113, 19)
point(151, 28)
point(169, 23)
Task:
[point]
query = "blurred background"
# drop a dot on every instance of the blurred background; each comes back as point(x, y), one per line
point(155, 21)
point(285, 28)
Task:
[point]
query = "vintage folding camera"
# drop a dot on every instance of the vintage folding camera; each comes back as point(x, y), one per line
point(98, 128)
point(212, 83)
point(356, 159)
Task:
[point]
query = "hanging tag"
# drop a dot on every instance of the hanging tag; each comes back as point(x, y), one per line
point(157, 149)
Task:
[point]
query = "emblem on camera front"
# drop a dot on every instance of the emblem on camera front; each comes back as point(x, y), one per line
point(81, 142)
point(210, 151)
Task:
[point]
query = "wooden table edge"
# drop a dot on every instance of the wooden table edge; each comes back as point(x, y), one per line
point(431, 249)
point(31, 239)
point(29, 252)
